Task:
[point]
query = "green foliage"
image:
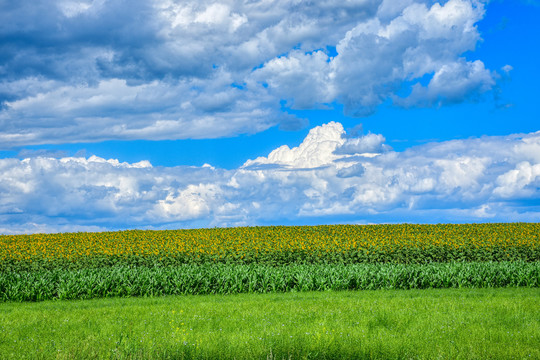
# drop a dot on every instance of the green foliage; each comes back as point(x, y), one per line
point(120, 281)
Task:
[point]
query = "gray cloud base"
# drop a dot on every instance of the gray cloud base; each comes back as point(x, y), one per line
point(483, 179)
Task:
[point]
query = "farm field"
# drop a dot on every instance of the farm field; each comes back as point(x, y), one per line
point(204, 279)
point(276, 245)
point(501, 323)
point(322, 292)
point(268, 259)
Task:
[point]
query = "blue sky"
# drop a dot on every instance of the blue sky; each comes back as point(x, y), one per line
point(178, 114)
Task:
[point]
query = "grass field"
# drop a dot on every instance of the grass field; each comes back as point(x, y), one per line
point(384, 324)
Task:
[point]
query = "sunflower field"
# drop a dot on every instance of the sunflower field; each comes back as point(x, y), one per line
point(253, 255)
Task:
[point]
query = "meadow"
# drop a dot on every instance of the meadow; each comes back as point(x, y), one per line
point(496, 323)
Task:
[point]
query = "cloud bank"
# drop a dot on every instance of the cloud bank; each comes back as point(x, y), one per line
point(330, 175)
point(82, 71)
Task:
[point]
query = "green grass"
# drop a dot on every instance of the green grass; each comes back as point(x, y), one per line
point(384, 324)
point(202, 279)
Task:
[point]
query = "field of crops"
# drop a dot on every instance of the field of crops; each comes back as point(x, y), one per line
point(265, 259)
point(278, 245)
point(256, 278)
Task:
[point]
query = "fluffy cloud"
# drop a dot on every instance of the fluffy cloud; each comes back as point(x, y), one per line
point(102, 193)
point(316, 150)
point(114, 110)
point(76, 71)
point(401, 44)
point(517, 182)
point(451, 84)
point(330, 176)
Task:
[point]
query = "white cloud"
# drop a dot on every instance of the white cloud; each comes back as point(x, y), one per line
point(507, 68)
point(162, 69)
point(451, 84)
point(316, 150)
point(522, 181)
point(367, 145)
point(322, 147)
point(193, 202)
point(494, 178)
point(403, 43)
point(146, 111)
point(304, 80)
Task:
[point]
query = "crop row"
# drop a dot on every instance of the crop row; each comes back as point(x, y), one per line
point(259, 278)
point(275, 245)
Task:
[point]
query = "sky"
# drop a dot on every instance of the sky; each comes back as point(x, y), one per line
point(168, 114)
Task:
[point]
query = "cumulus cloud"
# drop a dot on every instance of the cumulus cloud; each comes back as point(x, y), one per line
point(402, 43)
point(105, 193)
point(451, 84)
point(323, 146)
point(316, 150)
point(368, 145)
point(327, 177)
point(517, 182)
point(75, 71)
